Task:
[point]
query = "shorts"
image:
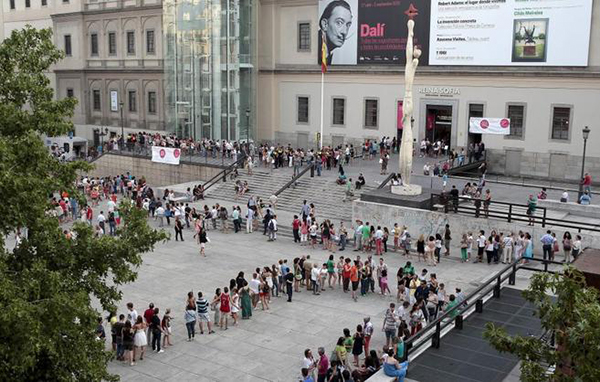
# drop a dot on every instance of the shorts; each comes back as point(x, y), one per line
point(204, 317)
point(202, 245)
point(390, 333)
point(354, 285)
point(128, 346)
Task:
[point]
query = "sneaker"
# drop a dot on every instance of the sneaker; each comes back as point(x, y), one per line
point(160, 351)
point(211, 332)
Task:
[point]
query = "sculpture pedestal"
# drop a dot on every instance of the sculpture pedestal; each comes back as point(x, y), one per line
point(529, 50)
point(410, 189)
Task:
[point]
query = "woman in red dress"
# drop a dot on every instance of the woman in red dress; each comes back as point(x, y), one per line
point(225, 307)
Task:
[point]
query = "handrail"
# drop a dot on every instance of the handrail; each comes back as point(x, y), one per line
point(475, 298)
point(513, 214)
point(386, 181)
point(294, 179)
point(223, 173)
point(456, 167)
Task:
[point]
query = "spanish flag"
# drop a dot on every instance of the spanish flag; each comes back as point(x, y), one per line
point(323, 55)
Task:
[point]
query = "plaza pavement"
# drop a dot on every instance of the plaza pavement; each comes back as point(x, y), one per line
point(270, 346)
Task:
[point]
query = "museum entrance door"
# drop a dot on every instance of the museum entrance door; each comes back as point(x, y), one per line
point(438, 124)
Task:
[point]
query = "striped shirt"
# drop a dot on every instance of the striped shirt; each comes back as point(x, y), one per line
point(202, 305)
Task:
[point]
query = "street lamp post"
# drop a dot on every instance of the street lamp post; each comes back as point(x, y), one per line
point(122, 129)
point(586, 134)
point(247, 125)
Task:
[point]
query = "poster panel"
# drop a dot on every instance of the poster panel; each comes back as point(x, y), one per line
point(510, 32)
point(498, 126)
point(166, 155)
point(368, 32)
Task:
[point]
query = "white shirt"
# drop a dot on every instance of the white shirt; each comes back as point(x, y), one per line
point(101, 218)
point(254, 284)
point(565, 196)
point(314, 274)
point(132, 316)
point(481, 241)
point(508, 242)
point(379, 234)
point(160, 211)
point(111, 206)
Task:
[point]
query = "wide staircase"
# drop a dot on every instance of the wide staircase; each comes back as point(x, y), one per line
point(262, 184)
point(325, 194)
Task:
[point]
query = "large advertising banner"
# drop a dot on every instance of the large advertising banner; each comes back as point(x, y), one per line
point(166, 155)
point(367, 32)
point(510, 32)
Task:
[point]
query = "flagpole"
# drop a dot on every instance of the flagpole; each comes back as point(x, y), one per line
point(322, 104)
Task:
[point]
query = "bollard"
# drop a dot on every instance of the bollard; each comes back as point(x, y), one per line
point(479, 306)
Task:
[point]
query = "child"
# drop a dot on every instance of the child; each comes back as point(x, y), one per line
point(384, 282)
point(469, 245)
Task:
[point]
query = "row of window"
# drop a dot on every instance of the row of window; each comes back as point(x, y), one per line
point(112, 43)
point(44, 3)
point(131, 100)
point(561, 116)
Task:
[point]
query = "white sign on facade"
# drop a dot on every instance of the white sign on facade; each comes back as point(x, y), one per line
point(442, 91)
point(166, 155)
point(114, 100)
point(498, 126)
point(510, 32)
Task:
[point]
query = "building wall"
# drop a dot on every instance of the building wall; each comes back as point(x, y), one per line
point(286, 74)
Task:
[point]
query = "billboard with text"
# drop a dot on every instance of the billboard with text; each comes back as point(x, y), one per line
point(457, 32)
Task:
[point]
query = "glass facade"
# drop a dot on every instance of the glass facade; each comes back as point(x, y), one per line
point(210, 68)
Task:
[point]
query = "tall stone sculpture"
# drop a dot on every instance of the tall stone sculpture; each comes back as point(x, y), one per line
point(406, 147)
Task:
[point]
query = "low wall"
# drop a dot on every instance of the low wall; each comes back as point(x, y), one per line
point(156, 174)
point(432, 222)
point(589, 211)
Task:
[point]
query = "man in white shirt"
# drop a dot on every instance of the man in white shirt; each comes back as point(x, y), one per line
point(132, 314)
point(273, 228)
point(358, 236)
point(254, 286)
point(249, 217)
point(101, 219)
point(403, 312)
point(314, 278)
point(480, 246)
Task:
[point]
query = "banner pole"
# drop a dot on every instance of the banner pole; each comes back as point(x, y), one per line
point(322, 103)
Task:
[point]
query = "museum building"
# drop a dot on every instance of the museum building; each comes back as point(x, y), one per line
point(548, 104)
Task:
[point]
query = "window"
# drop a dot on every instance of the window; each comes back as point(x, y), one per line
point(475, 110)
point(12, 4)
point(27, 3)
point(68, 49)
point(150, 46)
point(96, 95)
point(44, 3)
point(560, 122)
point(130, 42)
point(302, 116)
point(304, 36)
point(371, 113)
point(70, 93)
point(151, 102)
point(112, 43)
point(94, 44)
point(132, 101)
point(339, 106)
point(516, 114)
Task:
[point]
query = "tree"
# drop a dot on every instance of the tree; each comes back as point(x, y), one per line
point(571, 311)
point(48, 283)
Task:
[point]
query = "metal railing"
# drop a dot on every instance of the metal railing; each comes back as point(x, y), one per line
point(386, 181)
point(456, 315)
point(310, 166)
point(509, 212)
point(188, 156)
point(223, 173)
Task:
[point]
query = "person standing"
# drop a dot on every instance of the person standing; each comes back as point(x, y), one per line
point(508, 242)
point(547, 241)
point(368, 333)
point(357, 344)
point(322, 366)
point(289, 284)
point(225, 307)
point(447, 239)
point(296, 229)
point(178, 229)
point(155, 329)
point(480, 246)
point(576, 247)
point(531, 207)
point(203, 314)
point(464, 244)
point(567, 243)
point(190, 317)
point(246, 301)
point(390, 323)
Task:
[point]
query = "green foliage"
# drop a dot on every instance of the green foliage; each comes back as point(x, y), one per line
point(573, 313)
point(47, 284)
